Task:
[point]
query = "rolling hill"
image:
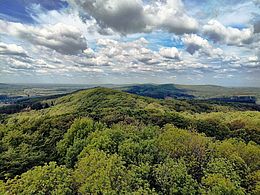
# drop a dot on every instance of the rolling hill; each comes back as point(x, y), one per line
point(105, 134)
point(203, 92)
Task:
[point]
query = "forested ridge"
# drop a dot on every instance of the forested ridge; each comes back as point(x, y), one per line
point(104, 141)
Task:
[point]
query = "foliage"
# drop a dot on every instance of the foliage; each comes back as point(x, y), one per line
point(74, 140)
point(254, 182)
point(101, 174)
point(110, 142)
point(47, 179)
point(217, 184)
point(172, 178)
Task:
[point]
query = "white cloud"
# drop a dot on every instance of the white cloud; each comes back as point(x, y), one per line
point(196, 43)
point(252, 62)
point(171, 15)
point(122, 16)
point(87, 26)
point(112, 56)
point(57, 33)
point(17, 64)
point(134, 16)
point(219, 33)
point(12, 49)
point(89, 52)
point(65, 39)
point(172, 53)
point(253, 59)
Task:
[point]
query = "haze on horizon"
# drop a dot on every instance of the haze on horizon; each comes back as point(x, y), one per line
point(132, 41)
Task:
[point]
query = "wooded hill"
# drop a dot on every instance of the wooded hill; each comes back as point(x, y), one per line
point(105, 141)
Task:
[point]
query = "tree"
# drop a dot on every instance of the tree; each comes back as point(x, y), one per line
point(220, 178)
point(47, 179)
point(172, 177)
point(212, 128)
point(140, 179)
point(2, 187)
point(217, 184)
point(74, 140)
point(137, 152)
point(250, 152)
point(190, 146)
point(101, 173)
point(253, 180)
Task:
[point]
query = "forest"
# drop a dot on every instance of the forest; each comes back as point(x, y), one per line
point(107, 141)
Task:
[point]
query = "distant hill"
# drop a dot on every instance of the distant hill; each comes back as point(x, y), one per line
point(159, 91)
point(206, 92)
point(149, 90)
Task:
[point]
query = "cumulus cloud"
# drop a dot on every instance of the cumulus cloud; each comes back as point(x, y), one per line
point(124, 53)
point(171, 53)
point(134, 16)
point(219, 33)
point(135, 56)
point(253, 59)
point(171, 15)
point(17, 64)
point(65, 39)
point(252, 62)
point(12, 49)
point(122, 16)
point(89, 52)
point(196, 43)
point(115, 56)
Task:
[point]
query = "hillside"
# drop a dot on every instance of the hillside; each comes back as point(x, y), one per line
point(98, 137)
point(205, 92)
point(159, 91)
point(33, 90)
point(211, 91)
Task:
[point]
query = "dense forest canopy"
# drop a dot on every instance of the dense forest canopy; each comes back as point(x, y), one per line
point(105, 141)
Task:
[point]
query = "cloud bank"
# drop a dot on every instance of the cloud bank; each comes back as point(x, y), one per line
point(133, 41)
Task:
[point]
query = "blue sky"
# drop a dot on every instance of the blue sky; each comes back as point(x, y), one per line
point(131, 41)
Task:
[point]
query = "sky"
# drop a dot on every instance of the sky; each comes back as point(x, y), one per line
point(130, 41)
